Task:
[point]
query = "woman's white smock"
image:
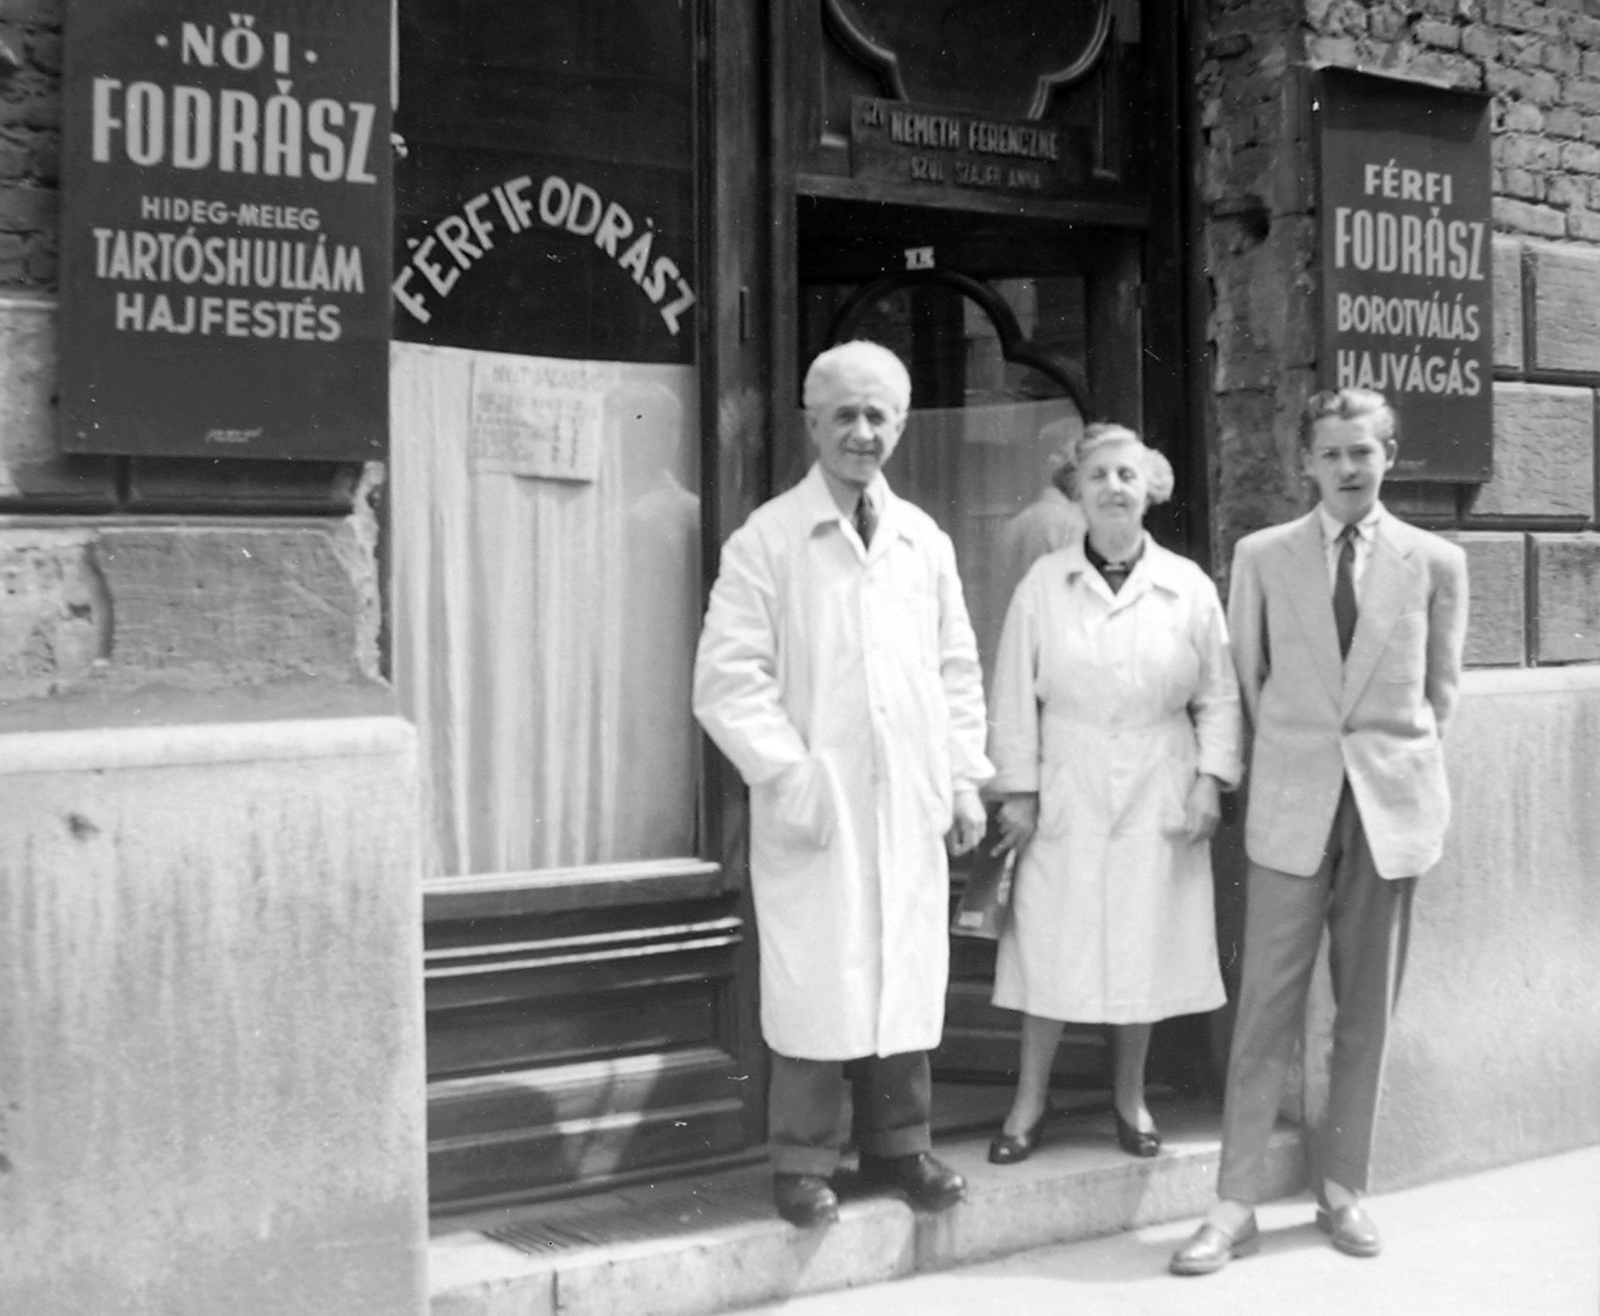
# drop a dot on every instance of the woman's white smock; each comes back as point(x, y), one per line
point(1109, 705)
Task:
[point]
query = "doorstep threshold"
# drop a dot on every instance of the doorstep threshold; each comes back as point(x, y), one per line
point(712, 1242)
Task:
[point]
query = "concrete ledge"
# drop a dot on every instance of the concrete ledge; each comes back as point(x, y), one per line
point(1495, 1052)
point(120, 748)
point(1077, 1186)
point(211, 1038)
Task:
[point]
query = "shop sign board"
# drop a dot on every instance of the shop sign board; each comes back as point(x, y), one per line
point(922, 145)
point(226, 237)
point(1407, 263)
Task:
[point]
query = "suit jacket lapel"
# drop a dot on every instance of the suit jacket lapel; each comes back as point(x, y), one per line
point(1306, 573)
point(1382, 599)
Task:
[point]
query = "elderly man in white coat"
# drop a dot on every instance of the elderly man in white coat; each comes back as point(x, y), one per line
point(838, 671)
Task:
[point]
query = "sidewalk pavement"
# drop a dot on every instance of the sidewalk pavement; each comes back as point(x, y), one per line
point(1523, 1240)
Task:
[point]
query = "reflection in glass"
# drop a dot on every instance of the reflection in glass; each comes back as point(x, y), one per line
point(977, 449)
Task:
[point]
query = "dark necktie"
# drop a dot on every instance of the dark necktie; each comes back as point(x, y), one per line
point(866, 521)
point(1344, 589)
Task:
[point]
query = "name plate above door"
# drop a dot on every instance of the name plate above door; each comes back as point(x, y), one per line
point(925, 146)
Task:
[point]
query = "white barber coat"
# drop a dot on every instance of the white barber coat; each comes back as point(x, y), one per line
point(844, 685)
point(1109, 705)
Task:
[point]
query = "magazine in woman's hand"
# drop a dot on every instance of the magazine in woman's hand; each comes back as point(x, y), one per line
point(987, 896)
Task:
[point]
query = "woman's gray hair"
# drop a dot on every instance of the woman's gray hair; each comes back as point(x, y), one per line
point(860, 354)
point(1158, 475)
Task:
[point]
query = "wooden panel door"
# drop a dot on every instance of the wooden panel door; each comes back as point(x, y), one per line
point(563, 237)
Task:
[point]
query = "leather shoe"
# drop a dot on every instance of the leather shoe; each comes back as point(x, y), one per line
point(1135, 1141)
point(1351, 1229)
point(1212, 1248)
point(927, 1182)
point(1009, 1148)
point(804, 1199)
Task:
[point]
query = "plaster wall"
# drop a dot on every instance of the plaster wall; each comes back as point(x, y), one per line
point(211, 1047)
point(1495, 1055)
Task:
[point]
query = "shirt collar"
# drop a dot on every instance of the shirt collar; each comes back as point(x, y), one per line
point(1164, 568)
point(1332, 527)
point(819, 504)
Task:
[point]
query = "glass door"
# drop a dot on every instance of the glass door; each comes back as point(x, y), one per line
point(1009, 355)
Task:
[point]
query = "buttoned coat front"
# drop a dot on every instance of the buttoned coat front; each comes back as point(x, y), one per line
point(843, 684)
point(1375, 718)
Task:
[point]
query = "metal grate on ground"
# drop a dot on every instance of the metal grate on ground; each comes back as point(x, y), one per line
point(659, 1212)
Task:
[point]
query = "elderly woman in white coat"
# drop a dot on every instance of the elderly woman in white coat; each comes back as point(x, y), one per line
point(1115, 726)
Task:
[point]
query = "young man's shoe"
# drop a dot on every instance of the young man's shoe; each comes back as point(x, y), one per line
point(1212, 1248)
point(1351, 1229)
point(928, 1183)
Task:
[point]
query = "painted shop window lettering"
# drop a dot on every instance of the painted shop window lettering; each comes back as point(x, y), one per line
point(460, 240)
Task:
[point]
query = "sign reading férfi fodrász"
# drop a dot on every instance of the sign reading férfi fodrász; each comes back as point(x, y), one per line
point(1406, 263)
point(226, 229)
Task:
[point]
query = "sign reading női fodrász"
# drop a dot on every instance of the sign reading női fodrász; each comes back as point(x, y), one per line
point(1407, 265)
point(226, 228)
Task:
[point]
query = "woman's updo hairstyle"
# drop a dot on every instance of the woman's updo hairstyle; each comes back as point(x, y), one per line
point(1157, 469)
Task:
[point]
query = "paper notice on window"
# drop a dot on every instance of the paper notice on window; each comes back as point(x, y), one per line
point(538, 416)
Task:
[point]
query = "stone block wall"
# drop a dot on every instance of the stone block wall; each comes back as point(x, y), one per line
point(1505, 1071)
point(118, 573)
point(1529, 530)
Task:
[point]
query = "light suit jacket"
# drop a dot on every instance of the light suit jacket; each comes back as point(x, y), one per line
point(1374, 719)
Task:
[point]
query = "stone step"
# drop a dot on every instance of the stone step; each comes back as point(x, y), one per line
point(712, 1243)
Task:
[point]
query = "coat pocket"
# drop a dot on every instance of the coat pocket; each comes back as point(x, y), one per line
point(1055, 803)
point(798, 807)
point(1172, 784)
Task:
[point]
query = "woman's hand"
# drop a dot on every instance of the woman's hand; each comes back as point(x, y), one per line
point(1019, 817)
point(1202, 811)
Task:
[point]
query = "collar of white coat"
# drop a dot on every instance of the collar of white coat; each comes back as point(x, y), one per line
point(822, 510)
point(1163, 568)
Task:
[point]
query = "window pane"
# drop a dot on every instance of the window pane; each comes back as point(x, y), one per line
point(545, 628)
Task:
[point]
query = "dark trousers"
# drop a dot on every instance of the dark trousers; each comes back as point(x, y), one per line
point(806, 1128)
point(1368, 919)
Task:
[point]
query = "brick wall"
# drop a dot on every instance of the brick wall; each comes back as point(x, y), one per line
point(30, 142)
point(1530, 533)
point(110, 580)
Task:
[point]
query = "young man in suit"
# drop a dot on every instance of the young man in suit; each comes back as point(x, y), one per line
point(1347, 627)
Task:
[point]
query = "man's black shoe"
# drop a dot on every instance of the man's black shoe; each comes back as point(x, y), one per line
point(804, 1199)
point(927, 1182)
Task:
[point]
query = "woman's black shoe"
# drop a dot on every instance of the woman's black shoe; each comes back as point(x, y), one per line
point(1136, 1142)
point(1009, 1148)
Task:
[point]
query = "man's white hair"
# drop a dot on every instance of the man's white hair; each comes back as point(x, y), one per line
point(856, 357)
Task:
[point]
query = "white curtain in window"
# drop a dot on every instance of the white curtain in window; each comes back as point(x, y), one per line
point(544, 629)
